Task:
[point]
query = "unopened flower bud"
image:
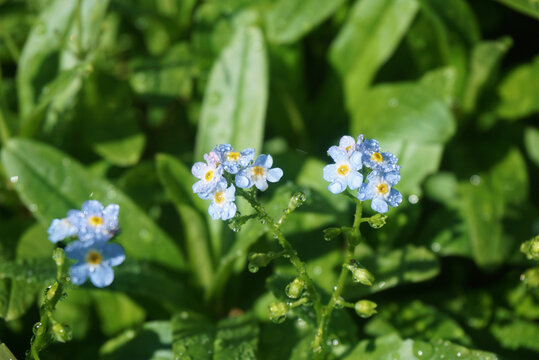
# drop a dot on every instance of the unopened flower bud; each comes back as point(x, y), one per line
point(361, 275)
point(332, 233)
point(51, 291)
point(294, 289)
point(377, 221)
point(365, 308)
point(531, 248)
point(296, 201)
point(277, 312)
point(58, 256)
point(61, 333)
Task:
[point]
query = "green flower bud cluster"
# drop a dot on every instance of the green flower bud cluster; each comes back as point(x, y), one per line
point(360, 274)
point(377, 221)
point(277, 312)
point(530, 248)
point(365, 308)
point(295, 288)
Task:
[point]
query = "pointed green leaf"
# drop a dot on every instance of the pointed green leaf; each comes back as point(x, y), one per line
point(50, 183)
point(289, 20)
point(235, 99)
point(371, 33)
point(519, 92)
point(528, 7)
point(5, 354)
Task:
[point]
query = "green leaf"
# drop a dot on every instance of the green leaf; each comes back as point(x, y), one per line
point(177, 180)
point(116, 311)
point(401, 117)
point(416, 320)
point(290, 20)
point(442, 82)
point(531, 141)
point(392, 346)
point(122, 152)
point(519, 92)
point(409, 264)
point(528, 7)
point(5, 354)
point(485, 59)
point(370, 35)
point(50, 183)
point(235, 99)
point(195, 337)
point(514, 333)
point(150, 342)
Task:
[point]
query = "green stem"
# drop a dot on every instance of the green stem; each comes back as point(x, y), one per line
point(323, 323)
point(289, 251)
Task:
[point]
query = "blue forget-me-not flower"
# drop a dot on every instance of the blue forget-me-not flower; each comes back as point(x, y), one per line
point(349, 144)
point(95, 259)
point(209, 173)
point(376, 160)
point(258, 174)
point(94, 222)
point(345, 171)
point(379, 188)
point(232, 160)
point(61, 229)
point(222, 206)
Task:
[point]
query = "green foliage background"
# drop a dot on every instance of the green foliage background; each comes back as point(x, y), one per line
point(115, 99)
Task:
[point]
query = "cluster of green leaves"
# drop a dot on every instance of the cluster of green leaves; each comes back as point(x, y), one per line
point(114, 99)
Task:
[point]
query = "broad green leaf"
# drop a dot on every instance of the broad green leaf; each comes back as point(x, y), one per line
point(152, 341)
point(409, 120)
point(442, 82)
point(163, 78)
point(392, 346)
point(177, 180)
point(195, 337)
point(76, 312)
point(5, 354)
point(416, 320)
point(235, 99)
point(50, 183)
point(519, 92)
point(116, 311)
point(485, 59)
point(122, 152)
point(370, 35)
point(445, 233)
point(531, 141)
point(528, 7)
point(290, 20)
point(514, 333)
point(409, 264)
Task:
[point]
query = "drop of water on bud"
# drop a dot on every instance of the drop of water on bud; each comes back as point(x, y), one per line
point(252, 268)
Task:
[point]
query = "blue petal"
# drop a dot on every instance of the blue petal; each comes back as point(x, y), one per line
point(230, 193)
point(228, 211)
point(261, 160)
point(60, 229)
point(113, 254)
point(338, 155)
point(110, 217)
point(355, 160)
point(102, 275)
point(392, 177)
point(214, 211)
point(379, 204)
point(336, 187)
point(370, 146)
point(79, 273)
point(261, 183)
point(274, 175)
point(355, 180)
point(395, 198)
point(242, 181)
point(77, 250)
point(199, 169)
point(247, 156)
point(92, 207)
point(330, 172)
point(365, 192)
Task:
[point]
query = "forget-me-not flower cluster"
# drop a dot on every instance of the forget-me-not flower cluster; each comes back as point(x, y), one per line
point(93, 225)
point(248, 171)
point(353, 158)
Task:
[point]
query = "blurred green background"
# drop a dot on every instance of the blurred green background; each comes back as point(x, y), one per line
point(114, 100)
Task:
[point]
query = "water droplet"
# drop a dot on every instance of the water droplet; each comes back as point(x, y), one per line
point(91, 195)
point(37, 326)
point(144, 234)
point(14, 179)
point(436, 247)
point(420, 353)
point(459, 354)
point(413, 199)
point(475, 180)
point(317, 270)
point(111, 194)
point(252, 268)
point(66, 162)
point(32, 207)
point(393, 102)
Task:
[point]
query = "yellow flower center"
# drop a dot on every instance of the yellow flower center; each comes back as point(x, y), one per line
point(349, 147)
point(343, 170)
point(209, 175)
point(93, 257)
point(377, 157)
point(382, 188)
point(233, 156)
point(95, 220)
point(219, 197)
point(258, 171)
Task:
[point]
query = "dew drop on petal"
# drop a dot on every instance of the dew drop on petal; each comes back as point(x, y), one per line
point(475, 180)
point(14, 179)
point(413, 199)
